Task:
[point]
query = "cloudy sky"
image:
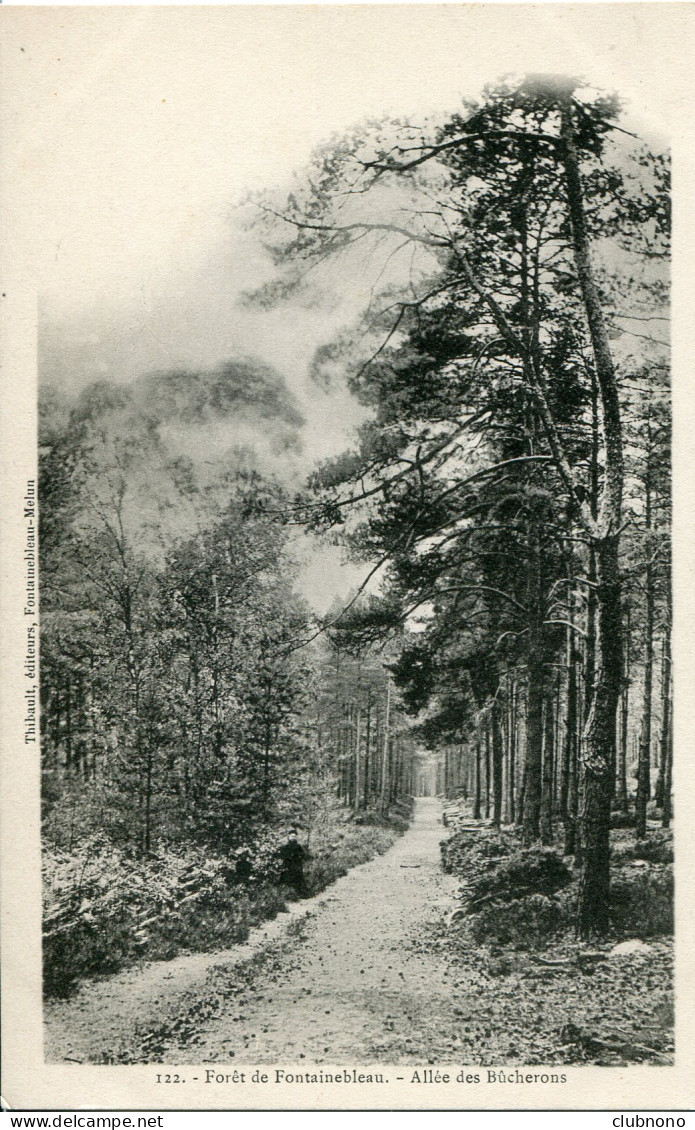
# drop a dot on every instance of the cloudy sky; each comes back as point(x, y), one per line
point(140, 128)
point(133, 133)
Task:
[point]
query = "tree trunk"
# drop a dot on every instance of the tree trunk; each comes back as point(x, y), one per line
point(599, 750)
point(534, 748)
point(512, 753)
point(667, 754)
point(624, 718)
point(557, 742)
point(497, 760)
point(358, 761)
point(476, 796)
point(666, 740)
point(659, 783)
point(546, 813)
point(487, 770)
point(367, 751)
point(568, 775)
point(590, 662)
point(598, 760)
point(385, 754)
point(645, 742)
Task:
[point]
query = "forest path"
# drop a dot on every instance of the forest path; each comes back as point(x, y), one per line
point(354, 985)
point(369, 971)
point(352, 982)
point(349, 975)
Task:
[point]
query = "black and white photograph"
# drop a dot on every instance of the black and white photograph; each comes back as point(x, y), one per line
point(345, 599)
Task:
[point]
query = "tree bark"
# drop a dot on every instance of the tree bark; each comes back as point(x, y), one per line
point(477, 797)
point(599, 750)
point(546, 814)
point(645, 742)
point(667, 754)
point(666, 741)
point(487, 770)
point(497, 762)
point(367, 751)
point(359, 792)
point(568, 775)
point(599, 746)
point(385, 754)
point(511, 784)
point(534, 747)
point(624, 718)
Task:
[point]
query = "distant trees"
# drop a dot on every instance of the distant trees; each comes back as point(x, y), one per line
point(182, 698)
point(361, 727)
point(492, 476)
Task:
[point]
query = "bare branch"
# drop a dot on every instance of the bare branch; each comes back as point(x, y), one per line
point(430, 151)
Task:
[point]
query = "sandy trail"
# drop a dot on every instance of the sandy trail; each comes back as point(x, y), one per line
point(346, 977)
point(355, 983)
point(368, 972)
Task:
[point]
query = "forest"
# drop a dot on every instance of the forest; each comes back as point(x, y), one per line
point(187, 713)
point(508, 497)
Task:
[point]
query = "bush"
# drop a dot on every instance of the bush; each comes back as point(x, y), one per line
point(509, 890)
point(622, 819)
point(523, 922)
point(85, 948)
point(528, 871)
point(104, 910)
point(398, 816)
point(657, 848)
point(356, 845)
point(642, 903)
point(464, 850)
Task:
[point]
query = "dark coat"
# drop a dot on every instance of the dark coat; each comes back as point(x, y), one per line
point(292, 856)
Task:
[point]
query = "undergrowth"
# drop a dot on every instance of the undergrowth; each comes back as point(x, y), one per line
point(525, 898)
point(104, 910)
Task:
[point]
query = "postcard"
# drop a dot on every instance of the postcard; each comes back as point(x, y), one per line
point(347, 557)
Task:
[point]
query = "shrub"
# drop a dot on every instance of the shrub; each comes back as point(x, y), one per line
point(622, 819)
point(523, 922)
point(104, 910)
point(657, 848)
point(83, 949)
point(528, 871)
point(642, 903)
point(464, 850)
point(357, 845)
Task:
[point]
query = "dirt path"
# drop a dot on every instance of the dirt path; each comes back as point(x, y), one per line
point(347, 978)
point(372, 971)
point(354, 983)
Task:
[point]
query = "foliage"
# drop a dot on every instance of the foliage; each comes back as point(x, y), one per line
point(524, 897)
point(658, 848)
point(508, 892)
point(184, 713)
point(525, 923)
point(642, 902)
point(104, 909)
point(463, 850)
point(501, 368)
point(359, 843)
point(532, 871)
